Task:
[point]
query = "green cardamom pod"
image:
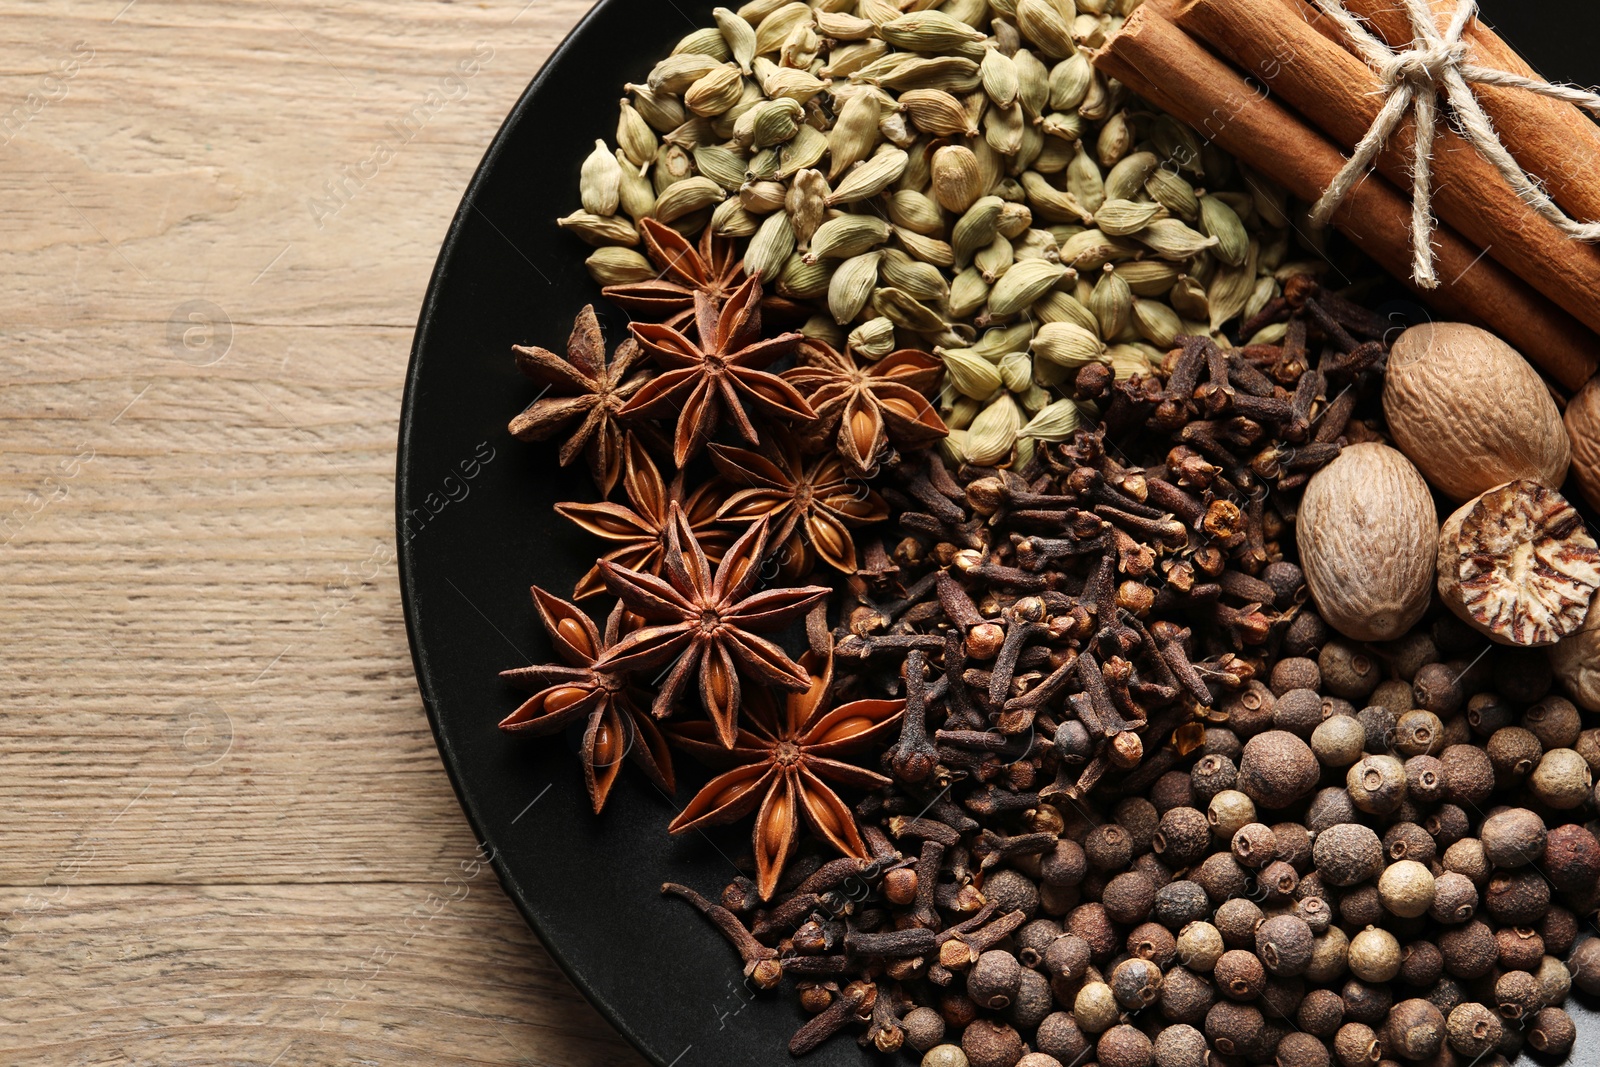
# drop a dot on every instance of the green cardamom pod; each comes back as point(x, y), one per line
point(851, 59)
point(773, 30)
point(1084, 181)
point(600, 230)
point(852, 287)
point(916, 212)
point(806, 203)
point(600, 181)
point(928, 31)
point(1054, 156)
point(805, 281)
point(905, 311)
point(1188, 298)
point(976, 228)
point(1156, 322)
point(956, 179)
point(1003, 130)
point(1052, 204)
point(1056, 306)
point(821, 328)
point(968, 293)
point(739, 34)
point(730, 219)
point(1015, 219)
point(873, 339)
point(1125, 181)
point(771, 247)
point(688, 196)
point(1036, 244)
point(1091, 250)
point(1123, 218)
point(994, 259)
point(1171, 239)
point(869, 178)
point(802, 150)
point(1112, 304)
point(1230, 290)
point(953, 74)
point(1000, 78)
point(786, 83)
point(1128, 361)
point(995, 343)
point(993, 434)
point(661, 111)
point(768, 124)
point(1065, 125)
point(936, 112)
point(970, 374)
point(1069, 82)
point(763, 198)
point(854, 135)
point(707, 42)
point(1023, 284)
point(953, 446)
point(1149, 277)
point(1116, 137)
point(1264, 293)
point(636, 194)
point(721, 165)
point(1170, 190)
point(844, 236)
point(1069, 345)
point(715, 92)
point(839, 26)
point(1016, 371)
point(1042, 22)
point(676, 73)
point(923, 281)
point(928, 249)
point(1033, 84)
point(1058, 421)
point(635, 137)
point(614, 265)
point(1222, 222)
point(1178, 143)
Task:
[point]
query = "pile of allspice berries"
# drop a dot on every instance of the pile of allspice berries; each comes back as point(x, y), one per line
point(1381, 855)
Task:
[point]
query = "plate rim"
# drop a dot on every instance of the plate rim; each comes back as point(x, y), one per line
point(404, 554)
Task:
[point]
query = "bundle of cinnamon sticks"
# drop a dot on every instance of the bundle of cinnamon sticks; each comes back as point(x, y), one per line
point(1273, 83)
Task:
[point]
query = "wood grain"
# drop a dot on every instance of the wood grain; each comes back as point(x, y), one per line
point(228, 836)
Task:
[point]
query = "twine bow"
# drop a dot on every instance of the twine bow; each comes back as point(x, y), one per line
point(1413, 79)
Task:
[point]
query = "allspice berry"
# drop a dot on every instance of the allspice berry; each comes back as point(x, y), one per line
point(1237, 921)
point(1517, 898)
point(1295, 672)
point(1321, 1013)
point(1468, 858)
point(1254, 845)
point(1277, 769)
point(1424, 779)
point(1301, 1050)
point(1300, 711)
point(1232, 1026)
point(1338, 741)
point(1406, 889)
point(1239, 975)
point(1437, 688)
point(1347, 854)
point(1469, 777)
point(1516, 994)
point(994, 978)
point(1183, 837)
point(1136, 983)
point(1552, 1032)
point(1572, 858)
point(1067, 957)
point(1221, 877)
point(1356, 1045)
point(1419, 733)
point(924, 1028)
point(1180, 1045)
point(1376, 784)
point(1064, 864)
point(1211, 774)
point(1200, 946)
point(1128, 898)
point(1554, 721)
point(1361, 906)
point(1514, 837)
point(1469, 950)
point(1366, 1002)
point(1521, 948)
point(1228, 811)
point(1059, 1036)
point(1095, 1007)
point(1347, 671)
point(1585, 964)
point(1284, 944)
point(1329, 807)
point(1124, 1046)
point(1473, 1029)
point(1179, 903)
point(1329, 956)
point(1108, 847)
point(1421, 964)
point(1562, 779)
point(1513, 753)
point(1154, 942)
point(1186, 998)
point(1408, 841)
point(1414, 1031)
point(1488, 712)
point(945, 1056)
point(1374, 955)
point(991, 1043)
point(1394, 697)
point(1455, 898)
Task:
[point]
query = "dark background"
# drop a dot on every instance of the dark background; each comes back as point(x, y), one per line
point(590, 886)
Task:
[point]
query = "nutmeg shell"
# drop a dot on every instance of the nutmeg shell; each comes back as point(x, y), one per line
point(1576, 661)
point(1368, 537)
point(1582, 422)
point(1470, 412)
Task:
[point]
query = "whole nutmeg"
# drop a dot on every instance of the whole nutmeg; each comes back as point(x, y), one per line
point(1368, 533)
point(1470, 411)
point(1518, 565)
point(1583, 428)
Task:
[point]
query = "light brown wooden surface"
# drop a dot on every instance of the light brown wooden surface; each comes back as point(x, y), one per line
point(226, 835)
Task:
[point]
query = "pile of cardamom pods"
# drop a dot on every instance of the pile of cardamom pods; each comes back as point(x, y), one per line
point(951, 176)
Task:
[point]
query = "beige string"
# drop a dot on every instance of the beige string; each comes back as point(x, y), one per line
point(1413, 79)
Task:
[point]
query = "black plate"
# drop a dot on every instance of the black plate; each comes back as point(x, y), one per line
point(475, 529)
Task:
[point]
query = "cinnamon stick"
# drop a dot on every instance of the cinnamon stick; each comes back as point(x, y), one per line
point(1161, 63)
point(1556, 142)
point(1342, 96)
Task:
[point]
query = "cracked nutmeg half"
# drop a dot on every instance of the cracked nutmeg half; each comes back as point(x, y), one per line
point(1518, 565)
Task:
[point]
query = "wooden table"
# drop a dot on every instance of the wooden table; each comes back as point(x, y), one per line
point(227, 836)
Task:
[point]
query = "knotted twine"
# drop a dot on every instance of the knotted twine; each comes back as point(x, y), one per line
point(1413, 79)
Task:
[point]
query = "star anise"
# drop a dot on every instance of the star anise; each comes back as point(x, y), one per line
point(819, 499)
point(586, 388)
point(591, 685)
point(715, 377)
point(640, 531)
point(705, 619)
point(715, 268)
point(861, 410)
point(781, 759)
